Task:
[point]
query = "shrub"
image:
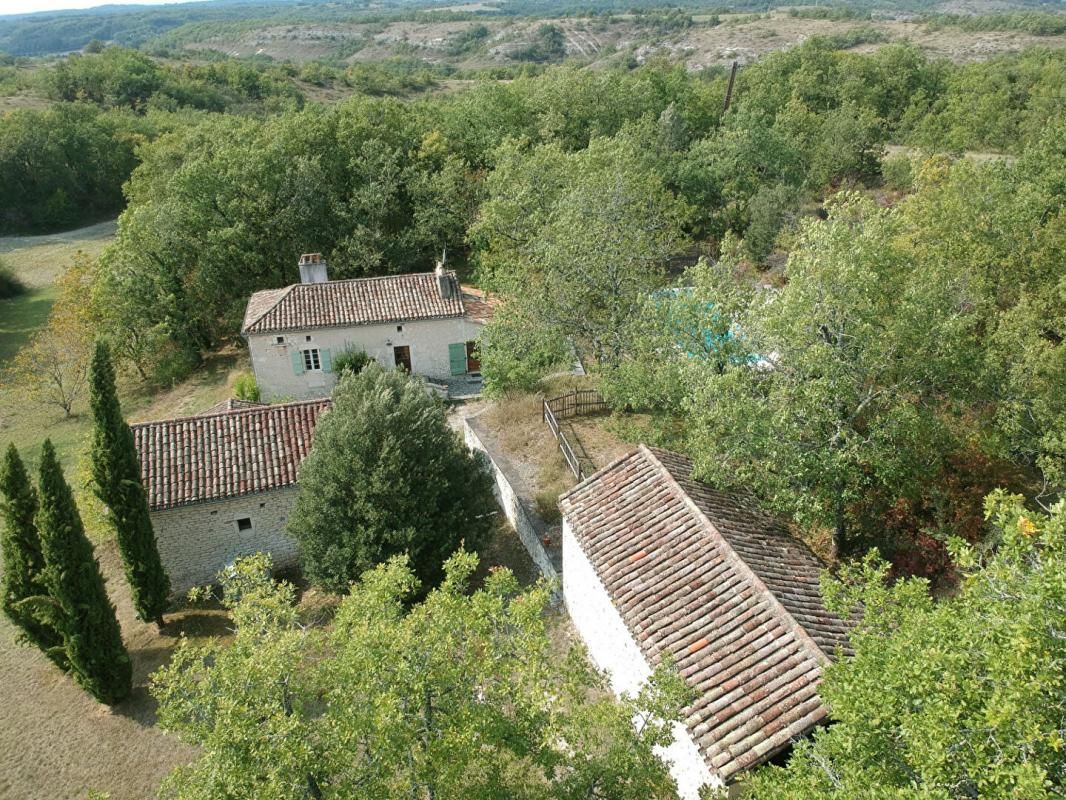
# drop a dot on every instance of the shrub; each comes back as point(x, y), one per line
point(353, 361)
point(245, 388)
point(896, 170)
point(547, 506)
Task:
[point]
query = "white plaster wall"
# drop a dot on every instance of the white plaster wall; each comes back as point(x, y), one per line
point(428, 340)
point(613, 650)
point(197, 540)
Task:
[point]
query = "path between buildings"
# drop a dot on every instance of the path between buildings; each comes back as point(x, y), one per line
point(520, 476)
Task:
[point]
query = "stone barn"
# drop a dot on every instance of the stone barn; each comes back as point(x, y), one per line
point(222, 484)
point(655, 564)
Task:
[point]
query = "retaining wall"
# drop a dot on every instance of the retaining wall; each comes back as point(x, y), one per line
point(529, 527)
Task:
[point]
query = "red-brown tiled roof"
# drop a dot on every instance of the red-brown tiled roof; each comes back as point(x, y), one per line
point(363, 301)
point(478, 304)
point(723, 588)
point(194, 459)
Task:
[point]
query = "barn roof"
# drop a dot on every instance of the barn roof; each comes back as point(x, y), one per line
point(362, 301)
point(226, 454)
point(724, 589)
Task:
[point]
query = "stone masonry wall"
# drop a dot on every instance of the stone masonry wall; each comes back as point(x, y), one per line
point(513, 508)
point(198, 540)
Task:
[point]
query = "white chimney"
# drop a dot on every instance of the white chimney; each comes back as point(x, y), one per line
point(444, 282)
point(313, 268)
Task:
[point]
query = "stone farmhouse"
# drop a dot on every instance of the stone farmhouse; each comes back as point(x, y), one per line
point(657, 564)
point(425, 323)
point(221, 485)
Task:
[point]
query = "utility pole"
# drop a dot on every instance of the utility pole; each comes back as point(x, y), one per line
point(729, 89)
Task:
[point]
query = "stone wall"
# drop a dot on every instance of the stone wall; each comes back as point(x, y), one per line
point(615, 651)
point(197, 540)
point(521, 519)
point(427, 339)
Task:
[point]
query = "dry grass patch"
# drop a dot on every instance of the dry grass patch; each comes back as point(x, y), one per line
point(519, 429)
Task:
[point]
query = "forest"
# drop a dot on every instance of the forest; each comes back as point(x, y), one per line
point(837, 285)
point(945, 386)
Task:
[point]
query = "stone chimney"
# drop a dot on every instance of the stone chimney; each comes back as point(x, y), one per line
point(313, 268)
point(444, 282)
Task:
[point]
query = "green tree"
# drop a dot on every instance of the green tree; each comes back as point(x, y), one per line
point(857, 353)
point(575, 241)
point(92, 640)
point(387, 475)
point(116, 471)
point(948, 699)
point(23, 586)
point(460, 696)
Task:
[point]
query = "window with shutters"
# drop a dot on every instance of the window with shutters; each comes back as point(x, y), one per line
point(312, 359)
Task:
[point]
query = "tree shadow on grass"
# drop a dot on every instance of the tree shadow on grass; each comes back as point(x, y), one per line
point(20, 318)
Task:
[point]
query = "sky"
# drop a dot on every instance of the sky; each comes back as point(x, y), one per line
point(26, 6)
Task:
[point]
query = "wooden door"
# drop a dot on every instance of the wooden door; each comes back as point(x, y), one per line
point(403, 357)
point(473, 363)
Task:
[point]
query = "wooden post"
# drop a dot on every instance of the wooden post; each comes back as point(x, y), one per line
point(729, 88)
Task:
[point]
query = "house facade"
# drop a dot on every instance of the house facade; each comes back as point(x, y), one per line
point(221, 485)
point(425, 323)
point(657, 564)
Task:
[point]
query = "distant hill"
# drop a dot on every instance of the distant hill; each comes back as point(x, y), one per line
point(51, 33)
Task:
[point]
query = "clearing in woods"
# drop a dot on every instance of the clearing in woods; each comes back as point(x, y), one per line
point(55, 741)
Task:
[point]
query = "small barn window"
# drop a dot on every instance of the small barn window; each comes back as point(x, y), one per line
point(307, 338)
point(279, 340)
point(244, 524)
point(399, 328)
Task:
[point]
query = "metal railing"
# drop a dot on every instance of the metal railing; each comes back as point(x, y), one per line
point(583, 401)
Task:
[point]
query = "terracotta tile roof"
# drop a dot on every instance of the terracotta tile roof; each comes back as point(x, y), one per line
point(478, 304)
point(233, 404)
point(364, 301)
point(722, 588)
point(194, 459)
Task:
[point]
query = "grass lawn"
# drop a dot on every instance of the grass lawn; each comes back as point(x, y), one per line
point(55, 741)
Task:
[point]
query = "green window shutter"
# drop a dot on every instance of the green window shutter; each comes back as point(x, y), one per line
point(297, 362)
point(327, 360)
point(457, 358)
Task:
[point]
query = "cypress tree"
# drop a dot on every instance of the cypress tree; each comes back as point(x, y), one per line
point(25, 596)
point(91, 635)
point(116, 472)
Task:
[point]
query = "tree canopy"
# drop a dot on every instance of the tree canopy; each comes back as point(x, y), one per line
point(387, 476)
point(116, 475)
point(460, 696)
point(947, 699)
